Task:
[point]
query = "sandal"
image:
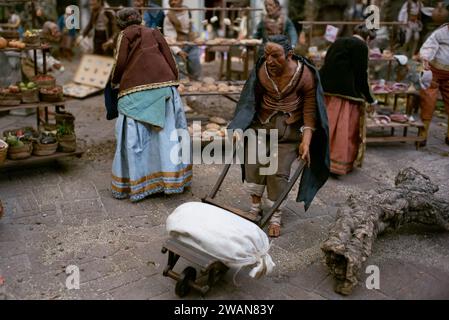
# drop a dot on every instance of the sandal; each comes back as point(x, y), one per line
point(274, 230)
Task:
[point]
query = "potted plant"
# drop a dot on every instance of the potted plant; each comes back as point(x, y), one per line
point(66, 137)
point(65, 118)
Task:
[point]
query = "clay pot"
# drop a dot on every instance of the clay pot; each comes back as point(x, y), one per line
point(440, 14)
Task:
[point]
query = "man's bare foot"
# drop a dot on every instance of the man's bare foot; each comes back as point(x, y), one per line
point(274, 230)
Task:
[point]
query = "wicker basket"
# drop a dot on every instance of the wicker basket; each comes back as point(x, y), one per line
point(40, 149)
point(10, 99)
point(32, 40)
point(18, 153)
point(44, 83)
point(67, 143)
point(4, 102)
point(65, 118)
point(52, 97)
point(30, 96)
point(3, 151)
point(13, 132)
point(10, 34)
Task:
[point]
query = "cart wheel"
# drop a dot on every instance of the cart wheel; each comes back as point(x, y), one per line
point(182, 286)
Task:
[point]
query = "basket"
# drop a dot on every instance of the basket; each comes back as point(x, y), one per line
point(67, 143)
point(32, 40)
point(13, 132)
point(30, 96)
point(19, 153)
point(10, 34)
point(10, 99)
point(4, 102)
point(65, 118)
point(44, 83)
point(3, 151)
point(52, 97)
point(40, 149)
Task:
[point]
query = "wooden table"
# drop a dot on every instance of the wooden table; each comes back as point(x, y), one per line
point(225, 48)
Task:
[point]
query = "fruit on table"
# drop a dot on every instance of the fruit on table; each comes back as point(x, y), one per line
point(54, 90)
point(28, 86)
point(13, 141)
point(3, 43)
point(16, 44)
point(32, 33)
point(43, 77)
point(14, 89)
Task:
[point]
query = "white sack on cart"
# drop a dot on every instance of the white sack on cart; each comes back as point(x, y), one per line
point(229, 238)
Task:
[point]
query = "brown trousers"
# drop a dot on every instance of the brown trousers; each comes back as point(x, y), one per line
point(429, 97)
point(288, 150)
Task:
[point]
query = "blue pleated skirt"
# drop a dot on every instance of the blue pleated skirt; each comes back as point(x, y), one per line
point(143, 162)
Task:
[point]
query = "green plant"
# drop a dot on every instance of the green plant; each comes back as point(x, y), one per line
point(13, 141)
point(64, 129)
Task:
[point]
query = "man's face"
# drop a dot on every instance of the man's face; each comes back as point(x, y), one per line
point(276, 60)
point(271, 7)
point(54, 30)
point(175, 3)
point(95, 4)
point(138, 3)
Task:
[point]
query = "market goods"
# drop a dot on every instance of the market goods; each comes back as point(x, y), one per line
point(16, 44)
point(3, 43)
point(213, 126)
point(53, 94)
point(218, 120)
point(44, 81)
point(209, 80)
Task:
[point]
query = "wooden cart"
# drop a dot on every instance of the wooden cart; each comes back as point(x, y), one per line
point(211, 268)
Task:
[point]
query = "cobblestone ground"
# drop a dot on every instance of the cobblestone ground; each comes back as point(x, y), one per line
point(61, 213)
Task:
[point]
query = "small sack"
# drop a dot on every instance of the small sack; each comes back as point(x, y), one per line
point(229, 238)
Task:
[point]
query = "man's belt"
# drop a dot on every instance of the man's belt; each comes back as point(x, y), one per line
point(439, 66)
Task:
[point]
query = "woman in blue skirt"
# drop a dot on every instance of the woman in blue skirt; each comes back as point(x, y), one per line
point(150, 111)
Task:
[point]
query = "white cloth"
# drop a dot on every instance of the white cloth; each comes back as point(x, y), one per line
point(425, 79)
point(403, 60)
point(170, 31)
point(231, 239)
point(436, 47)
point(50, 60)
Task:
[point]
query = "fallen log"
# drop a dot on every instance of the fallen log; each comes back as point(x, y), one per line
point(366, 215)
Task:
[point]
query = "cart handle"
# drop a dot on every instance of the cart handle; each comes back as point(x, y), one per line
point(284, 194)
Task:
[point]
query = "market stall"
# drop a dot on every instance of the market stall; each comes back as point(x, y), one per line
point(49, 139)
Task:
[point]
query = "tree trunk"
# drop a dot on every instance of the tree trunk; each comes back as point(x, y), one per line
point(365, 216)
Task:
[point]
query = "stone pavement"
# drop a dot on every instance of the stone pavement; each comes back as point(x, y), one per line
point(61, 213)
